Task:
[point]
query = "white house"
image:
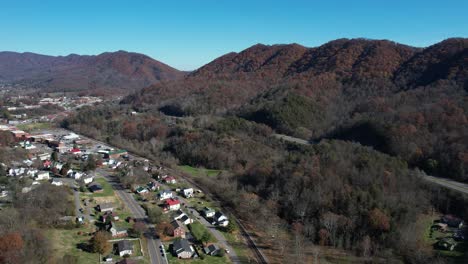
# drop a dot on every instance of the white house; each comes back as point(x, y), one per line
point(71, 136)
point(208, 212)
point(166, 194)
point(32, 173)
point(88, 179)
point(42, 175)
point(220, 219)
point(188, 192)
point(186, 220)
point(57, 182)
point(172, 204)
point(75, 174)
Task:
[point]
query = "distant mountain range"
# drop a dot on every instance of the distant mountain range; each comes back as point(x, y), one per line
point(234, 79)
point(111, 70)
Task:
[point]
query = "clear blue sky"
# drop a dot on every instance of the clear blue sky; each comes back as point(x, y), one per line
point(188, 34)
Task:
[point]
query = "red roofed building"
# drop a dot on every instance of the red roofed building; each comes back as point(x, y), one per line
point(75, 151)
point(172, 204)
point(170, 179)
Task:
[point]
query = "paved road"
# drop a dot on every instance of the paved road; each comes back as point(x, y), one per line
point(139, 214)
point(292, 139)
point(87, 216)
point(447, 183)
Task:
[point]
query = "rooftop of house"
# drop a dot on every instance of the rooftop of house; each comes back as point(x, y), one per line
point(106, 205)
point(176, 224)
point(125, 245)
point(181, 245)
point(172, 201)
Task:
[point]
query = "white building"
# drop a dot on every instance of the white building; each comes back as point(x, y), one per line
point(57, 182)
point(166, 194)
point(188, 192)
point(42, 175)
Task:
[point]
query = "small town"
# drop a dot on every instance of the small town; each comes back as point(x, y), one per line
point(122, 199)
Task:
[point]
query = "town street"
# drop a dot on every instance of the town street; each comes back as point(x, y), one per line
point(139, 214)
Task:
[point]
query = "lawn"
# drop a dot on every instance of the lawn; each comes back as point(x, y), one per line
point(34, 126)
point(106, 188)
point(237, 243)
point(66, 242)
point(199, 171)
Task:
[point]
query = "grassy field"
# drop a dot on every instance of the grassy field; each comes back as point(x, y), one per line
point(237, 243)
point(107, 188)
point(67, 241)
point(34, 126)
point(199, 171)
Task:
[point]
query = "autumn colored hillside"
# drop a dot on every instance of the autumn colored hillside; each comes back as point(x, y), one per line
point(405, 101)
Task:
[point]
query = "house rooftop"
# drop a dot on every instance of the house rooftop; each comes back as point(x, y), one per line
point(125, 245)
point(181, 245)
point(172, 201)
point(106, 205)
point(176, 224)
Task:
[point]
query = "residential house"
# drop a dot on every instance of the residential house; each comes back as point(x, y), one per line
point(452, 221)
point(179, 229)
point(75, 175)
point(153, 185)
point(19, 135)
point(179, 214)
point(95, 187)
point(115, 154)
point(43, 156)
point(71, 136)
point(42, 175)
point(46, 164)
point(57, 182)
point(186, 220)
point(447, 243)
point(117, 231)
point(188, 192)
point(170, 180)
point(182, 249)
point(166, 194)
point(109, 216)
point(220, 219)
point(211, 250)
point(208, 212)
point(172, 204)
point(75, 151)
point(88, 179)
point(125, 247)
point(141, 190)
point(106, 207)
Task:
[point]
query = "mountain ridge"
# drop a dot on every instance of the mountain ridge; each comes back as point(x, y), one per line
point(120, 70)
